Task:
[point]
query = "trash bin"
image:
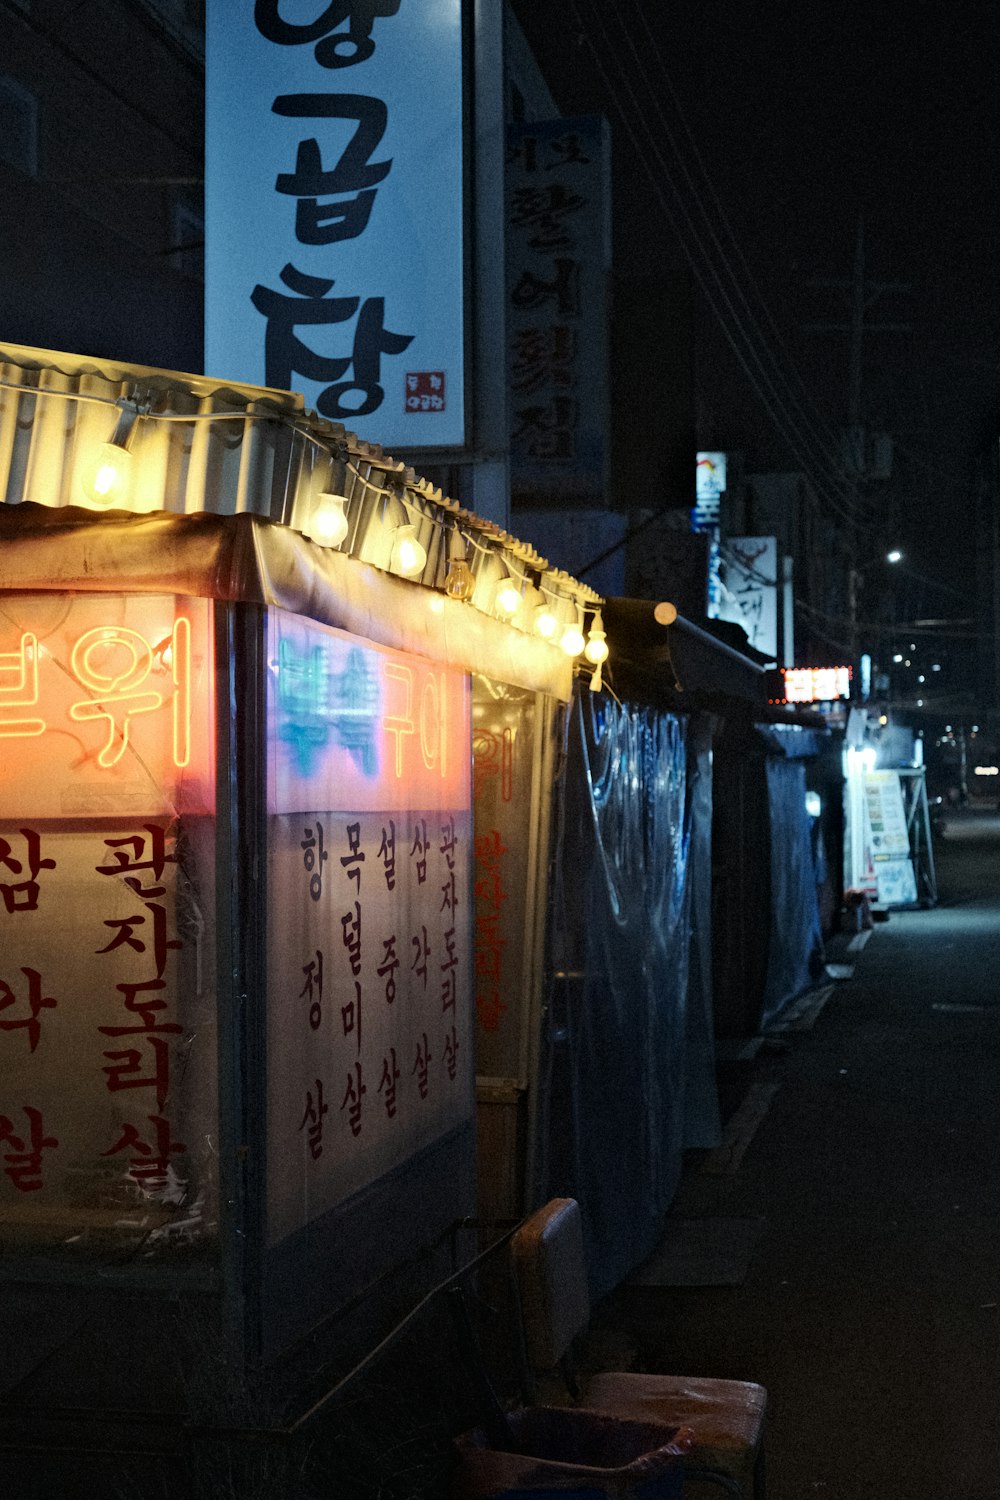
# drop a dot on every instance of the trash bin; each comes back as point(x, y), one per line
point(575, 1453)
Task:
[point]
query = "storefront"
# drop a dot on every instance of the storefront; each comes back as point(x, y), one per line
point(239, 866)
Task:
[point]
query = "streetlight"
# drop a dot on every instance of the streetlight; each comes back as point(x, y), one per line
point(894, 556)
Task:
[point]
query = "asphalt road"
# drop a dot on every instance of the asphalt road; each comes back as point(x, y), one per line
point(869, 1305)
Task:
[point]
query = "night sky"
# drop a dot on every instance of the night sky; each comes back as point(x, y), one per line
point(748, 141)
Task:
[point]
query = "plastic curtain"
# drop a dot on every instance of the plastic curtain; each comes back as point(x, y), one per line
point(615, 1030)
point(795, 958)
point(702, 1125)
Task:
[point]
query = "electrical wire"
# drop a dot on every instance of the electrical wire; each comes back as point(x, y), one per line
point(803, 403)
point(796, 438)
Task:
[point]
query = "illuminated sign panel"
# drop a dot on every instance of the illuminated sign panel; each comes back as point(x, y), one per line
point(107, 996)
point(105, 705)
point(370, 915)
point(710, 479)
point(335, 208)
point(816, 684)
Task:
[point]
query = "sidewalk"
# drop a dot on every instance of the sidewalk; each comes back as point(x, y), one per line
point(847, 1255)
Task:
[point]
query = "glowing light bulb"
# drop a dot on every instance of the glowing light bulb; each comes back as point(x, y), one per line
point(507, 597)
point(596, 649)
point(459, 582)
point(329, 524)
point(107, 475)
point(408, 556)
point(544, 622)
point(571, 640)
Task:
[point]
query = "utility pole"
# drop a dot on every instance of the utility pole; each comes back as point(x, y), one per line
point(860, 294)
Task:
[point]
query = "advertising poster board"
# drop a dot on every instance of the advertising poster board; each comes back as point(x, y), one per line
point(888, 839)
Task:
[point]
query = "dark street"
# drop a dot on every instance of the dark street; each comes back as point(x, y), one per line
point(869, 1193)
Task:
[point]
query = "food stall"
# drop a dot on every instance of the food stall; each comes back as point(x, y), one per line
point(238, 937)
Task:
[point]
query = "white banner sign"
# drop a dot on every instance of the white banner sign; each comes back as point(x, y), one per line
point(334, 211)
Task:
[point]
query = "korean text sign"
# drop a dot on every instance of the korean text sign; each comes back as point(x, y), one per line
point(558, 261)
point(748, 589)
point(107, 1006)
point(334, 210)
point(503, 741)
point(370, 916)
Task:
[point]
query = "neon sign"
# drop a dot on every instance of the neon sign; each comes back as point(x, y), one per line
point(115, 664)
point(115, 693)
point(359, 726)
point(22, 666)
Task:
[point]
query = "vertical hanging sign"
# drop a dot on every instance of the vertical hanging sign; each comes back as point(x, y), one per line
point(558, 259)
point(334, 210)
point(748, 593)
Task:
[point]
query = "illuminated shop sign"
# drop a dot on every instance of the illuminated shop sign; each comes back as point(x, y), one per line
point(107, 997)
point(335, 210)
point(370, 913)
point(360, 726)
point(105, 705)
point(816, 684)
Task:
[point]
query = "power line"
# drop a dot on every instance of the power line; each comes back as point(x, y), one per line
point(702, 266)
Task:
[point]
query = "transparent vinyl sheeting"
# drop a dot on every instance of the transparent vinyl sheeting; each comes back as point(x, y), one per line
point(795, 953)
point(615, 1034)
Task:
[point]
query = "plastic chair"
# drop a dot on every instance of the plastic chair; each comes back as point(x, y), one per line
point(726, 1416)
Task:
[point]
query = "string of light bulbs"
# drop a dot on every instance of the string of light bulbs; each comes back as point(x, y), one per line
point(519, 595)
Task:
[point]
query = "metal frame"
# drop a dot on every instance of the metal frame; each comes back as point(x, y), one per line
point(913, 783)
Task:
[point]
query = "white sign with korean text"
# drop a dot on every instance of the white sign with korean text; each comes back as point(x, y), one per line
point(370, 915)
point(334, 210)
point(748, 593)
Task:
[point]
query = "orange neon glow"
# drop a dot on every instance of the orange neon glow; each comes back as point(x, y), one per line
point(114, 662)
point(106, 702)
point(97, 663)
point(430, 720)
point(22, 666)
point(181, 668)
point(398, 725)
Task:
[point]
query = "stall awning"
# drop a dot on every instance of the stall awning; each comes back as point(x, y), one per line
point(678, 665)
point(246, 558)
point(150, 478)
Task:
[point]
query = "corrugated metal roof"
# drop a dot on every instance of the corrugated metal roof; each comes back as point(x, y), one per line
point(205, 446)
